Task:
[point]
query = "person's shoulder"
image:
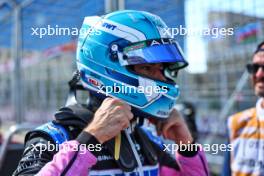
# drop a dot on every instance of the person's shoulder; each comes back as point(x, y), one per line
point(244, 115)
point(50, 131)
point(236, 120)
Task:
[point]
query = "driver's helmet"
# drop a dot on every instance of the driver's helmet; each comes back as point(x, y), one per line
point(110, 46)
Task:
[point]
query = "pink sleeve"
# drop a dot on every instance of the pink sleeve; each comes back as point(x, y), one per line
point(70, 160)
point(191, 166)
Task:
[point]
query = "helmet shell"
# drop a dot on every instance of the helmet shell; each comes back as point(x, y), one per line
point(102, 73)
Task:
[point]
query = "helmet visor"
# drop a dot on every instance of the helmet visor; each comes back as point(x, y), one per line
point(154, 51)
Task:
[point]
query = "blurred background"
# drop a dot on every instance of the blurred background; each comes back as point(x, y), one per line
point(34, 70)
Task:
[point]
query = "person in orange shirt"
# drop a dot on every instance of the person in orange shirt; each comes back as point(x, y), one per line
point(246, 128)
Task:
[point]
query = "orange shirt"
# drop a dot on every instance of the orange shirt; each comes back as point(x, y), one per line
point(246, 134)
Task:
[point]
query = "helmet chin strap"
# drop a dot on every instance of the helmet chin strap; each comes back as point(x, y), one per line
point(137, 122)
point(140, 167)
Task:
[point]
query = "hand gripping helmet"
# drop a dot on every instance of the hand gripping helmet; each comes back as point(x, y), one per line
point(109, 45)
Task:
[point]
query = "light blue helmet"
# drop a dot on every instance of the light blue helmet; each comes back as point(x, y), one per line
point(109, 45)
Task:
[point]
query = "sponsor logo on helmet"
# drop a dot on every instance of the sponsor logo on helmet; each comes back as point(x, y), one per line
point(163, 113)
point(162, 41)
point(94, 82)
point(109, 26)
point(143, 44)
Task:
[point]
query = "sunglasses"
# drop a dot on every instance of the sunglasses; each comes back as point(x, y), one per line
point(253, 68)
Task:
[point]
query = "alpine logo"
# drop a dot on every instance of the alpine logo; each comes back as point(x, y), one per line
point(161, 41)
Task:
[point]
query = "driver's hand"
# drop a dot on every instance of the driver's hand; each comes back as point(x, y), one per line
point(175, 128)
point(111, 117)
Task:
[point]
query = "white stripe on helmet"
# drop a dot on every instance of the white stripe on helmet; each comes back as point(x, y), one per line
point(115, 29)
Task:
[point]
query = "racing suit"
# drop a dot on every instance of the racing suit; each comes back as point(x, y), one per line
point(66, 130)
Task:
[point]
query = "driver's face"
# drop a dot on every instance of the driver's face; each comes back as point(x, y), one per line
point(151, 70)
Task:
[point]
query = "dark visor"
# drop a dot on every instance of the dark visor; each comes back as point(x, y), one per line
point(154, 51)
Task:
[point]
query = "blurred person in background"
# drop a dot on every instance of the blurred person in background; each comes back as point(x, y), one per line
point(246, 128)
point(130, 50)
